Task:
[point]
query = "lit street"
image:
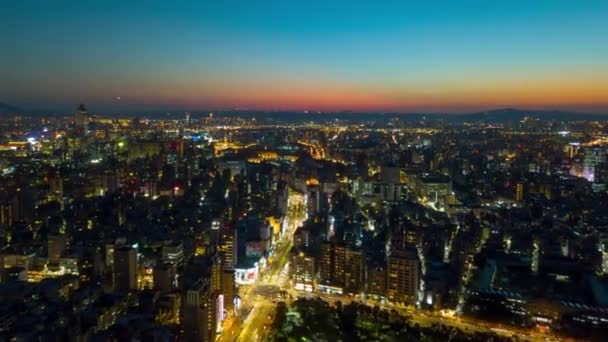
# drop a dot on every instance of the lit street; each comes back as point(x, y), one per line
point(259, 300)
point(304, 171)
point(253, 320)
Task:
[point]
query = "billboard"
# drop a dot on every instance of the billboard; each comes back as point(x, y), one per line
point(255, 249)
point(246, 275)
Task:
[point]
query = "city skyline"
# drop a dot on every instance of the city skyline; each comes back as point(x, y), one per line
point(274, 171)
point(396, 57)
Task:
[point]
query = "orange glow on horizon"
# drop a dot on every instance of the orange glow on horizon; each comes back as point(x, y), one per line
point(332, 96)
point(585, 91)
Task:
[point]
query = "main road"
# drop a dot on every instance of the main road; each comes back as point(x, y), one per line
point(252, 321)
point(427, 318)
point(258, 300)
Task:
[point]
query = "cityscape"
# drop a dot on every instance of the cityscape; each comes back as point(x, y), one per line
point(304, 172)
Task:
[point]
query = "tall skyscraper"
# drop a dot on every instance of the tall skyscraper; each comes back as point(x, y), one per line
point(376, 280)
point(216, 273)
point(125, 269)
point(228, 289)
point(317, 201)
point(326, 263)
point(200, 313)
point(193, 312)
point(403, 276)
point(600, 181)
point(56, 246)
point(173, 253)
point(341, 267)
point(519, 192)
point(23, 205)
point(56, 187)
point(81, 118)
point(228, 247)
point(6, 212)
point(164, 277)
point(349, 266)
point(188, 117)
point(592, 157)
point(303, 272)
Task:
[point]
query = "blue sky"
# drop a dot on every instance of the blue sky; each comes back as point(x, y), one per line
point(397, 55)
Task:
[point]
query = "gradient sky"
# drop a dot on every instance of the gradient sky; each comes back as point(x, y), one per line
point(446, 56)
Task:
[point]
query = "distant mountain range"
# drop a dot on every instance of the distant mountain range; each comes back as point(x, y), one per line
point(492, 116)
point(7, 109)
point(513, 114)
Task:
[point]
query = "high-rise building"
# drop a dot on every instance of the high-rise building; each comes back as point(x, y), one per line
point(228, 289)
point(341, 268)
point(592, 157)
point(193, 315)
point(317, 201)
point(376, 281)
point(433, 188)
point(188, 116)
point(282, 196)
point(571, 150)
point(600, 179)
point(23, 205)
point(228, 248)
point(519, 192)
point(173, 253)
point(81, 118)
point(390, 192)
point(303, 272)
point(6, 213)
point(125, 269)
point(349, 265)
point(302, 238)
point(199, 314)
point(403, 276)
point(56, 246)
point(216, 273)
point(165, 277)
point(56, 187)
point(326, 264)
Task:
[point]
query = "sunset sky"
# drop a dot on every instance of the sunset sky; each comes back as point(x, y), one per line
point(410, 56)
